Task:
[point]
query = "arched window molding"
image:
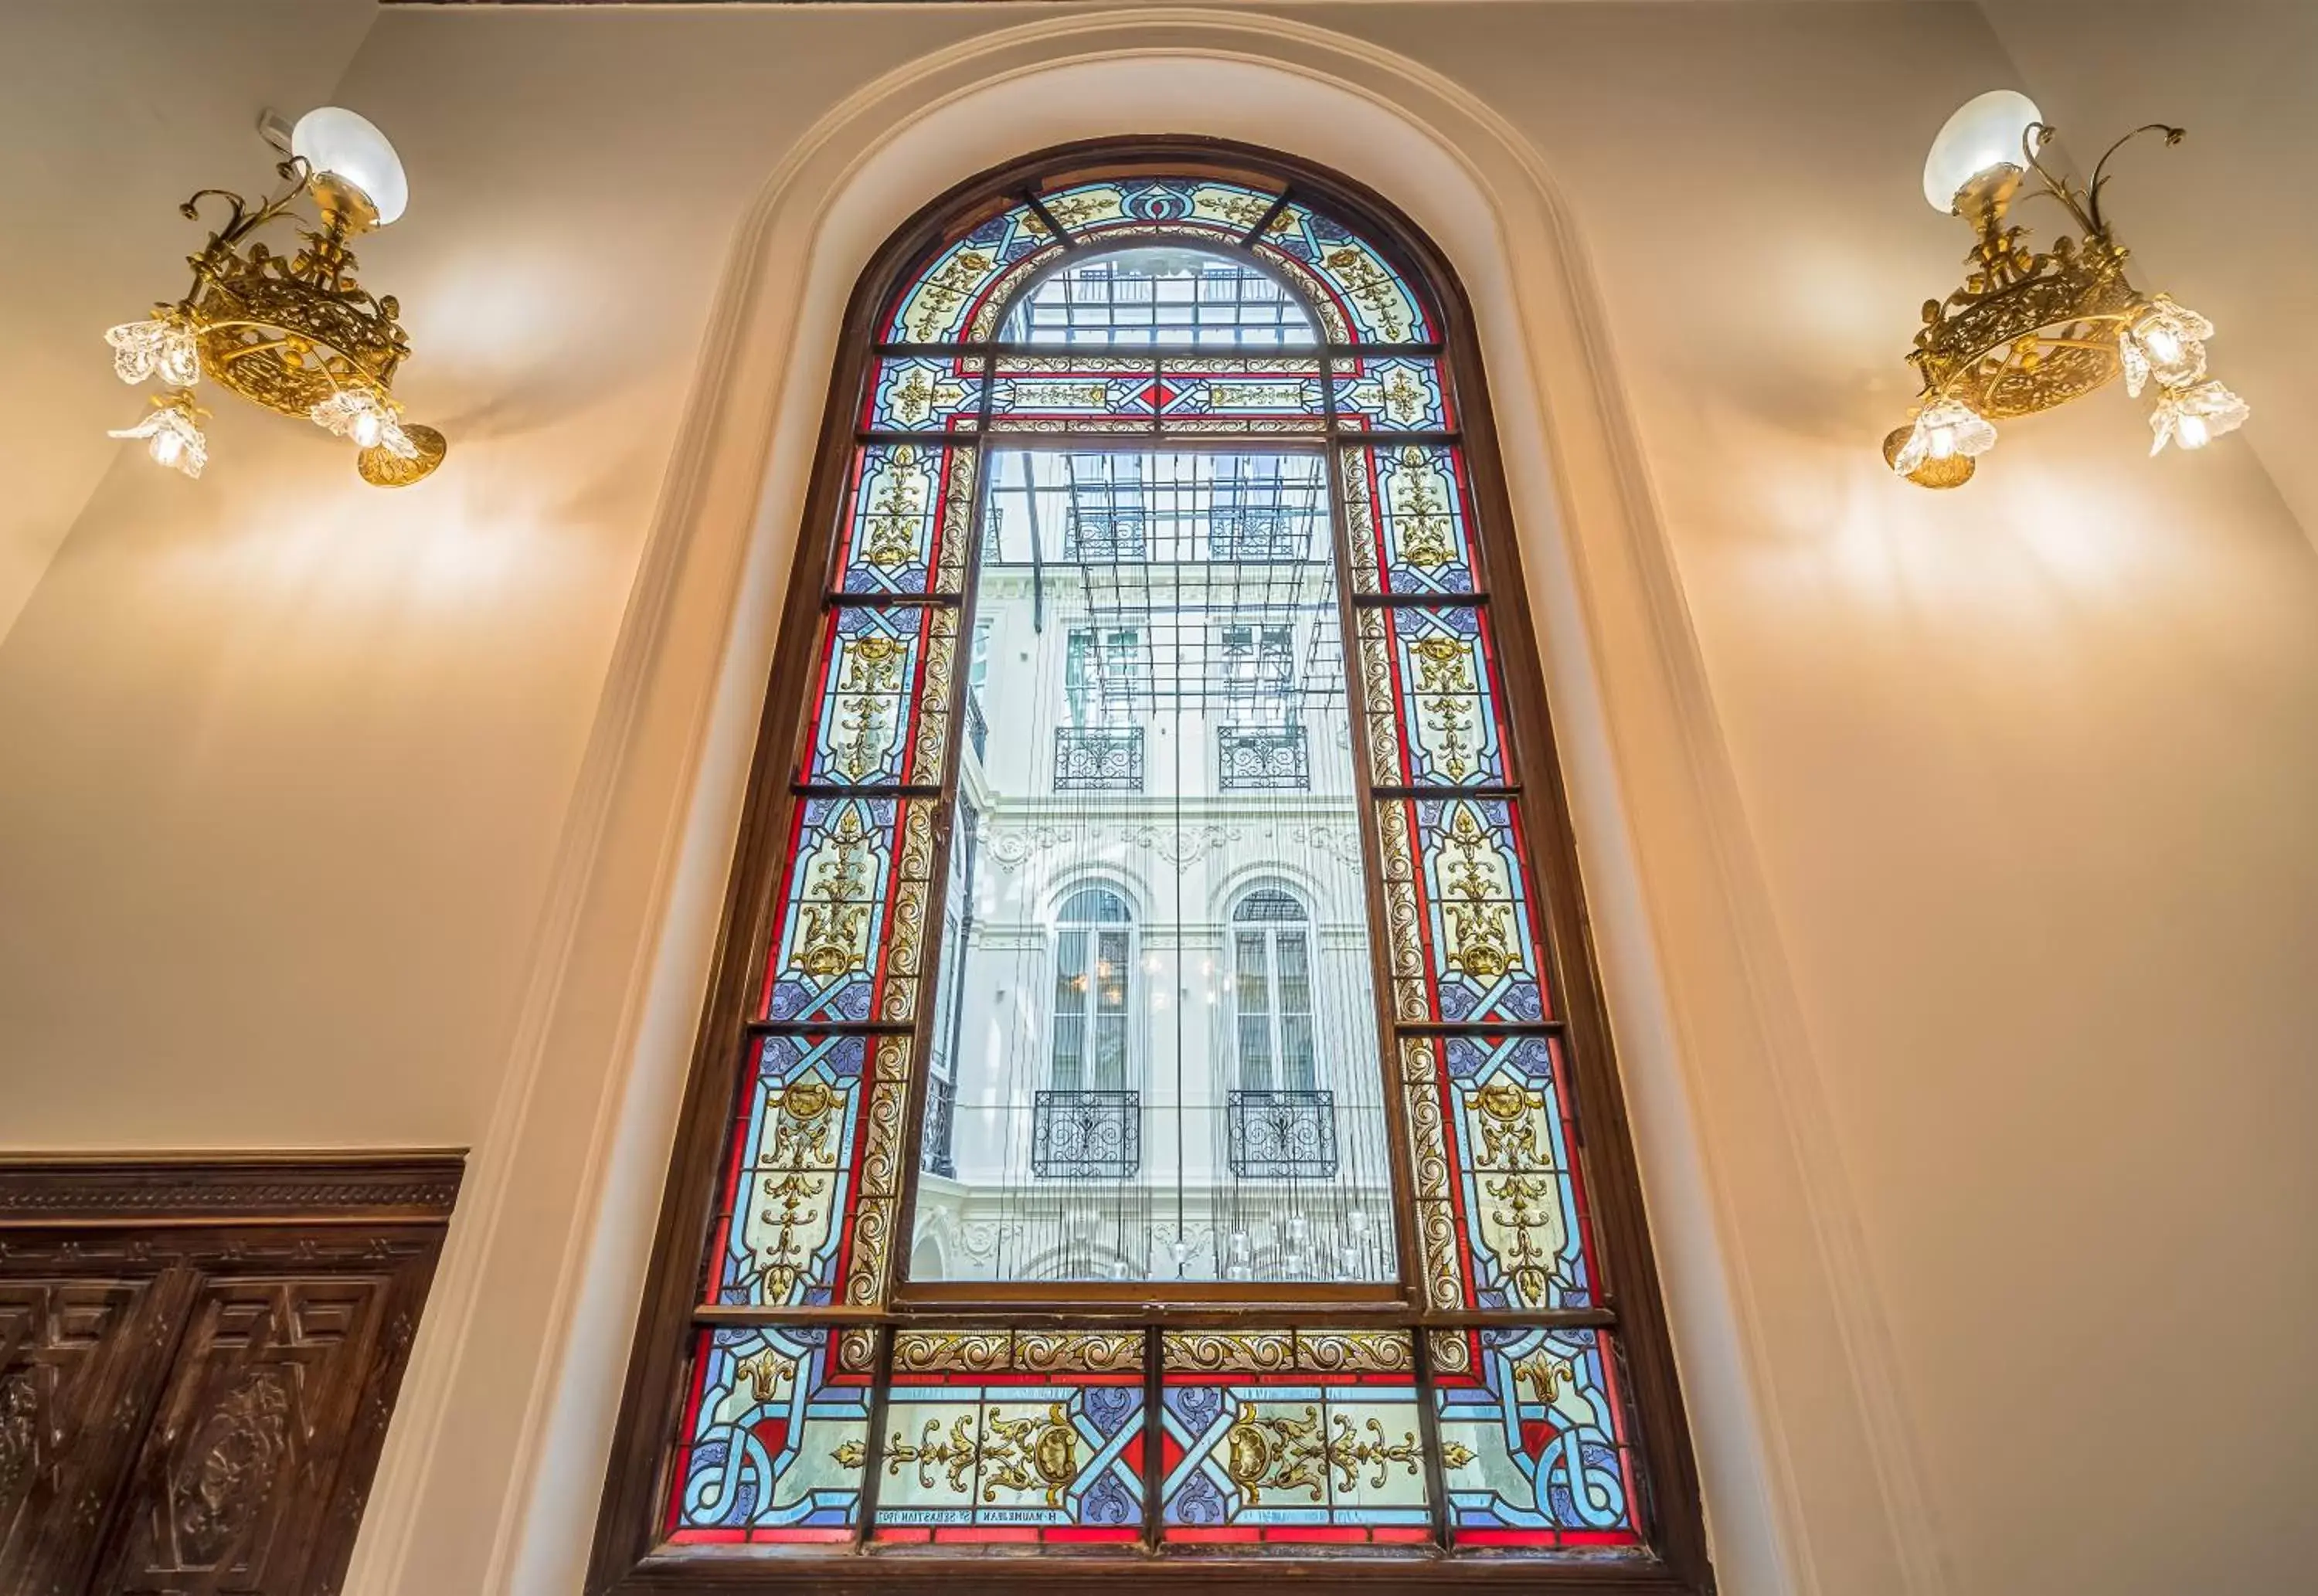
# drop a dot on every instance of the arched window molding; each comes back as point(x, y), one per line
point(1405, 382)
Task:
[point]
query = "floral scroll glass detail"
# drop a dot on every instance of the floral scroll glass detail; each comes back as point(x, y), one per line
point(1406, 509)
point(814, 1172)
point(775, 1421)
point(854, 907)
point(1500, 1214)
point(1279, 1436)
point(1535, 1449)
point(1005, 1437)
point(1430, 676)
point(1460, 939)
point(883, 691)
point(912, 515)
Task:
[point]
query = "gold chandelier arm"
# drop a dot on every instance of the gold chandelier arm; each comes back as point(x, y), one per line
point(245, 221)
point(2032, 139)
point(2173, 136)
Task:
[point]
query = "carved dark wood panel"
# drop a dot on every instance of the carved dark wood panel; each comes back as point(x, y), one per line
point(194, 1385)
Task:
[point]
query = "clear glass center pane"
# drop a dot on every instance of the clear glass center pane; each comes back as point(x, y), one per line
point(1154, 1052)
point(1138, 297)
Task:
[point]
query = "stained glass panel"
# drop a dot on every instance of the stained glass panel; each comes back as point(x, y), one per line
point(909, 519)
point(1458, 939)
point(1533, 1440)
point(814, 1173)
point(1279, 1436)
point(771, 1449)
point(931, 393)
point(1380, 304)
point(1013, 1436)
point(1405, 508)
point(1087, 392)
point(1430, 680)
point(1393, 393)
point(965, 280)
point(1125, 207)
point(884, 688)
point(1500, 1199)
point(1277, 394)
point(852, 925)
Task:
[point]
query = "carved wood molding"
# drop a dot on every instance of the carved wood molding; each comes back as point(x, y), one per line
point(257, 1188)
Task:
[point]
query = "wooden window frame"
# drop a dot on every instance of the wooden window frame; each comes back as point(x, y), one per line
point(628, 1559)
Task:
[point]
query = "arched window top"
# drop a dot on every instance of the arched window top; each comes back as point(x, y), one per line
point(964, 294)
point(1095, 906)
point(1207, 297)
point(1270, 903)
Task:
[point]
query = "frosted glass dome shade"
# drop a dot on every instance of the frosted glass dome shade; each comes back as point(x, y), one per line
point(348, 147)
point(1985, 132)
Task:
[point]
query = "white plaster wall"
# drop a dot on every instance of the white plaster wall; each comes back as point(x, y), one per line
point(1950, 855)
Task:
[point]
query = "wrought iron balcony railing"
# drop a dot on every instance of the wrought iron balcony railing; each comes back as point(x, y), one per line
point(1283, 1135)
point(1088, 759)
point(935, 1156)
point(1086, 1136)
point(1278, 757)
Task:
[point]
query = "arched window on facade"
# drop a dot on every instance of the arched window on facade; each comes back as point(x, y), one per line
point(1286, 1223)
point(1275, 1048)
point(1094, 972)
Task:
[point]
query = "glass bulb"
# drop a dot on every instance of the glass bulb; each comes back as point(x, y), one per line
point(338, 143)
point(2194, 416)
point(1944, 428)
point(2165, 341)
point(171, 432)
point(1986, 132)
point(162, 346)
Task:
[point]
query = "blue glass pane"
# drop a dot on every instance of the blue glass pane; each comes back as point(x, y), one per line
point(1459, 939)
point(1500, 1209)
point(1533, 1440)
point(851, 931)
point(910, 517)
point(812, 1174)
point(771, 1448)
point(1430, 676)
point(883, 689)
point(1407, 509)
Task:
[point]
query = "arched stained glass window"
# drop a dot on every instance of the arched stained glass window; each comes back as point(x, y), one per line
point(1255, 1217)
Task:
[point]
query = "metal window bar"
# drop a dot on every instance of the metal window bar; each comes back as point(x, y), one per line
point(942, 1102)
point(1282, 1135)
point(1086, 1136)
point(1264, 758)
point(1095, 760)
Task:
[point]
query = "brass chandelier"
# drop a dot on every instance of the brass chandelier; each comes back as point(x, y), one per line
point(2030, 330)
point(294, 333)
